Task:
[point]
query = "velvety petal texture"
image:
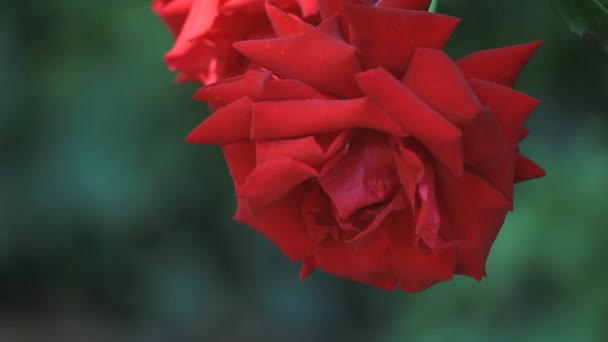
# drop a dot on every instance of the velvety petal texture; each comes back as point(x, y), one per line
point(356, 144)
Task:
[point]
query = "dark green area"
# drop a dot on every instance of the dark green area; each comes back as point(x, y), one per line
point(113, 229)
point(585, 17)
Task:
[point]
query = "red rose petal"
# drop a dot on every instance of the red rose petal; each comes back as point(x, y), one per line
point(318, 214)
point(318, 57)
point(428, 220)
point(369, 264)
point(200, 19)
point(240, 157)
point(231, 4)
point(291, 119)
point(415, 270)
point(308, 7)
point(435, 132)
point(511, 107)
point(484, 144)
point(226, 125)
point(436, 79)
point(474, 212)
point(364, 175)
point(305, 150)
point(285, 24)
point(281, 223)
point(272, 179)
point(418, 5)
point(502, 65)
point(308, 266)
point(399, 202)
point(251, 84)
point(173, 13)
point(287, 89)
point(525, 169)
point(388, 38)
point(329, 8)
point(184, 77)
point(410, 170)
point(501, 178)
point(524, 134)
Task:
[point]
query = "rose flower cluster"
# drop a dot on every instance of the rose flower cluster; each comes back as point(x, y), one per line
point(356, 144)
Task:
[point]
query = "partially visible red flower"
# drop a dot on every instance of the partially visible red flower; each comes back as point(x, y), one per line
point(360, 148)
point(205, 30)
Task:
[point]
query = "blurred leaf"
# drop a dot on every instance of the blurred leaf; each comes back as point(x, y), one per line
point(585, 17)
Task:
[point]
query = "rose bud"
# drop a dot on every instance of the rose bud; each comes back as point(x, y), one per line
point(362, 149)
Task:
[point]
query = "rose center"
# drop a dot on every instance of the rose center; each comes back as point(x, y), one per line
point(362, 180)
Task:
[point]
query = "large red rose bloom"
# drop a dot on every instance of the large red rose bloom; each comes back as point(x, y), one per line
point(360, 148)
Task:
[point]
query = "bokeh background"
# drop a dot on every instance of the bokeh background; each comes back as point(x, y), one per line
point(114, 229)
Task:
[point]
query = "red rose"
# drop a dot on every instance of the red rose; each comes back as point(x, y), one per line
point(206, 29)
point(374, 157)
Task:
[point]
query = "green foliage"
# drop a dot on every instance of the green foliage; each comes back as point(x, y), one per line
point(585, 17)
point(433, 7)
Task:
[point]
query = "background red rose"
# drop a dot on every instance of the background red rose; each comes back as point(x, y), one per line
point(205, 30)
point(374, 157)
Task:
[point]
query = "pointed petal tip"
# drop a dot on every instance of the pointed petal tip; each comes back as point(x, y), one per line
point(526, 169)
point(190, 139)
point(502, 65)
point(195, 137)
point(308, 266)
point(226, 125)
point(243, 46)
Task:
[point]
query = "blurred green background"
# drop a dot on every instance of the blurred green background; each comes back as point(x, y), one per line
point(114, 229)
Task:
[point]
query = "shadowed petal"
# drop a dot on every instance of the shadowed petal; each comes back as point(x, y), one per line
point(415, 270)
point(436, 79)
point(364, 175)
point(511, 107)
point(399, 202)
point(525, 169)
point(435, 132)
point(329, 8)
point(501, 178)
point(473, 212)
point(240, 157)
point(484, 144)
point(428, 220)
point(281, 223)
point(272, 179)
point(410, 170)
point(368, 264)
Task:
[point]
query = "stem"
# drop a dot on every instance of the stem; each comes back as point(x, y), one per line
point(433, 7)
